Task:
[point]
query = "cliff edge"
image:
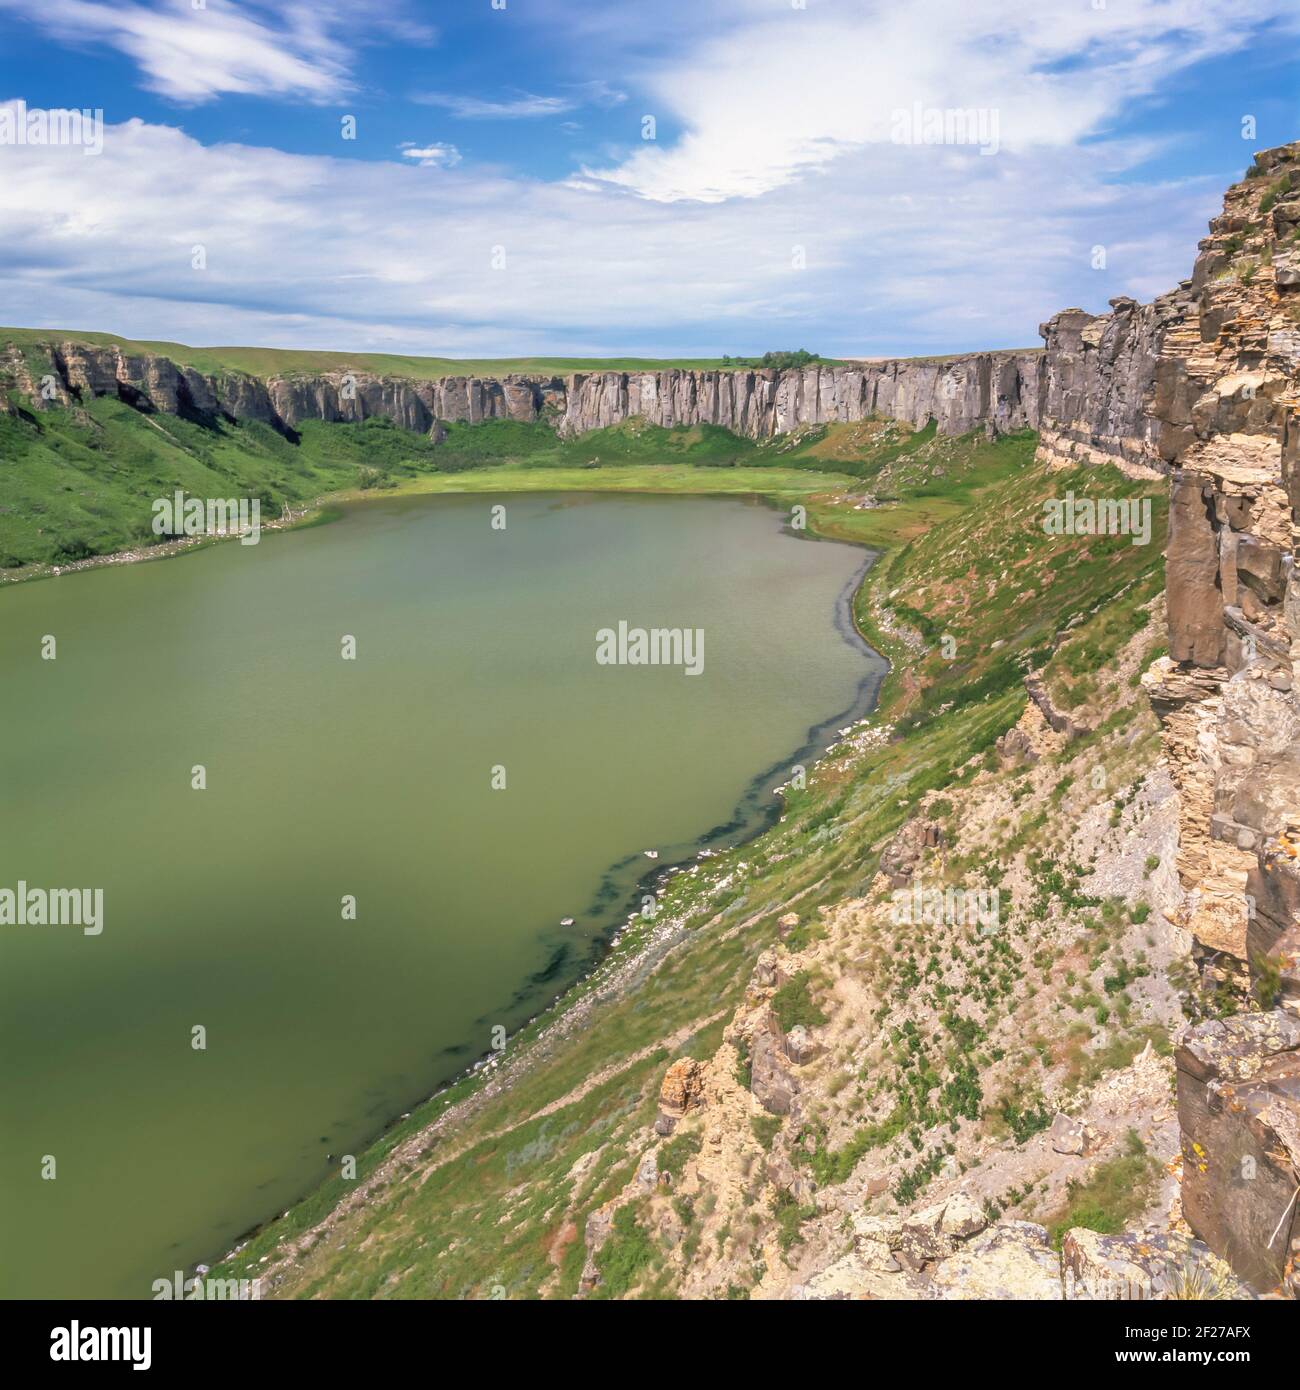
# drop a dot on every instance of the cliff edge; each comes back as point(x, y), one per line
point(996, 390)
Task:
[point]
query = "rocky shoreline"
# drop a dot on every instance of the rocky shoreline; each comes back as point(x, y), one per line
point(292, 518)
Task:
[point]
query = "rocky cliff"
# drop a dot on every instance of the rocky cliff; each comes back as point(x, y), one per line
point(996, 390)
point(1228, 424)
point(1093, 391)
point(1099, 383)
point(1225, 415)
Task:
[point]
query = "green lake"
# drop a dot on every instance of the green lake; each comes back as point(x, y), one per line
point(475, 650)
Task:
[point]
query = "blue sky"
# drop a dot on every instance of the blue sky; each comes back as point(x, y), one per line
point(500, 196)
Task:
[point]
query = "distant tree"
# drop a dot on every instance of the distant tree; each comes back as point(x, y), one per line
point(777, 361)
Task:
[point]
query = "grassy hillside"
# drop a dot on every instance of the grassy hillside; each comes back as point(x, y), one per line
point(486, 1191)
point(80, 482)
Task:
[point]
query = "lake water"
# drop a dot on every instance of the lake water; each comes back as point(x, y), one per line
point(475, 650)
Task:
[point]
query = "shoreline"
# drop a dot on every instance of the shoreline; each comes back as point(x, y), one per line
point(492, 1075)
point(323, 509)
point(315, 513)
point(605, 976)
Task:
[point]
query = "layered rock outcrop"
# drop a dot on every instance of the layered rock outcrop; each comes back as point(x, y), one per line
point(994, 390)
point(67, 373)
point(1229, 424)
point(1225, 414)
point(1100, 383)
point(1239, 1108)
point(682, 1092)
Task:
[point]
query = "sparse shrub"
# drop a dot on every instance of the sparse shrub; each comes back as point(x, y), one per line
point(765, 1128)
point(625, 1255)
point(1024, 1118)
point(678, 1152)
point(789, 1215)
point(1114, 1195)
point(793, 1004)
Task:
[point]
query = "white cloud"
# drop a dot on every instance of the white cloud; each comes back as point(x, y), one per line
point(192, 55)
point(598, 93)
point(431, 156)
point(775, 149)
point(321, 251)
point(790, 91)
point(523, 107)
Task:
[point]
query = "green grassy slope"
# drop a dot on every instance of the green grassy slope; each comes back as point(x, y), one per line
point(80, 482)
point(493, 1203)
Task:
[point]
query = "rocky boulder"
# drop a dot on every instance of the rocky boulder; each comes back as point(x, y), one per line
point(800, 1046)
point(1059, 720)
point(1013, 1260)
point(1143, 1266)
point(899, 858)
point(772, 1082)
point(1239, 1109)
point(682, 1091)
point(1067, 1135)
point(918, 1238)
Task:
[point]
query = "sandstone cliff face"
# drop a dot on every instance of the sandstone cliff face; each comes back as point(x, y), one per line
point(1240, 1117)
point(998, 391)
point(1099, 384)
point(1225, 414)
point(66, 373)
point(1226, 419)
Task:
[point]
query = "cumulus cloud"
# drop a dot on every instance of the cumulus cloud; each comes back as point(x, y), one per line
point(792, 91)
point(777, 208)
point(322, 251)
